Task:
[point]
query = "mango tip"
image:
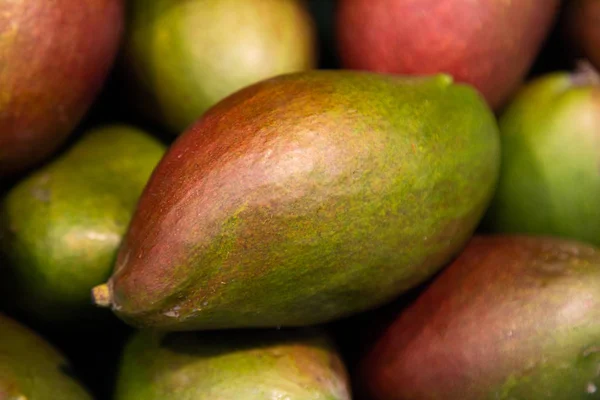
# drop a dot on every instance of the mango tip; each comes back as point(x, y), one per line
point(101, 295)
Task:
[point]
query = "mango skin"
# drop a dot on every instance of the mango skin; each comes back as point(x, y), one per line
point(182, 57)
point(305, 198)
point(549, 181)
point(55, 56)
point(61, 226)
point(31, 368)
point(490, 44)
point(249, 365)
point(512, 318)
point(583, 26)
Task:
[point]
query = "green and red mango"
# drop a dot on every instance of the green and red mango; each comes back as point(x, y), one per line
point(305, 198)
point(513, 317)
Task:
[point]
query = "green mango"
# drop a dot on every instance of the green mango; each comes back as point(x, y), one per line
point(60, 227)
point(305, 198)
point(233, 365)
point(514, 317)
point(182, 57)
point(549, 180)
point(31, 368)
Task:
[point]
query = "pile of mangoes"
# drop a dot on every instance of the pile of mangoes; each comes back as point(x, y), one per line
point(299, 199)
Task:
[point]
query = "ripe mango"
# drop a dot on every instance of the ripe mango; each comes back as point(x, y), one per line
point(234, 365)
point(61, 226)
point(54, 59)
point(490, 44)
point(31, 368)
point(513, 317)
point(305, 198)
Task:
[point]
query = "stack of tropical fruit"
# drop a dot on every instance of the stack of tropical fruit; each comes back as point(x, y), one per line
point(299, 200)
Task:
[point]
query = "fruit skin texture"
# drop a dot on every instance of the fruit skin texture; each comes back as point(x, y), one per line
point(305, 198)
point(549, 179)
point(232, 365)
point(583, 24)
point(60, 228)
point(514, 317)
point(490, 44)
point(185, 56)
point(31, 368)
point(55, 56)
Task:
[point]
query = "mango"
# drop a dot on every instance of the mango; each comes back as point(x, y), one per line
point(31, 368)
point(549, 179)
point(513, 317)
point(54, 57)
point(61, 226)
point(305, 198)
point(255, 365)
point(489, 44)
point(182, 57)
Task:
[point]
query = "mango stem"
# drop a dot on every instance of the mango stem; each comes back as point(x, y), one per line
point(101, 295)
point(585, 74)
